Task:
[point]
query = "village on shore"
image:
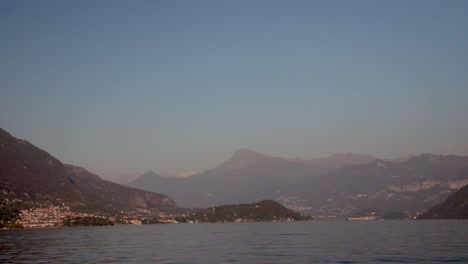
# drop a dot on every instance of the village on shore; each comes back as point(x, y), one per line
point(51, 215)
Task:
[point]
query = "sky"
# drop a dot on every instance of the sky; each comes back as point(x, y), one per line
point(178, 86)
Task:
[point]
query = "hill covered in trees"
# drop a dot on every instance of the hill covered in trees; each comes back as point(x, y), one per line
point(264, 211)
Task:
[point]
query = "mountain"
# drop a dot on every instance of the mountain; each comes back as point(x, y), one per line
point(123, 179)
point(101, 193)
point(246, 177)
point(335, 186)
point(454, 207)
point(241, 179)
point(416, 184)
point(339, 160)
point(151, 178)
point(33, 175)
point(402, 159)
point(242, 159)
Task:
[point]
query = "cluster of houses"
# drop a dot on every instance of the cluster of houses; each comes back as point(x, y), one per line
point(54, 216)
point(48, 216)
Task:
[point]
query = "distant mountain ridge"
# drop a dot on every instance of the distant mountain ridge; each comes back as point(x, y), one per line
point(31, 174)
point(313, 186)
point(416, 184)
point(339, 160)
point(238, 180)
point(247, 176)
point(242, 159)
point(123, 179)
point(317, 186)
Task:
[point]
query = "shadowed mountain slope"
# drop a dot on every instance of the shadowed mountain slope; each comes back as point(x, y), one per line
point(31, 174)
point(454, 207)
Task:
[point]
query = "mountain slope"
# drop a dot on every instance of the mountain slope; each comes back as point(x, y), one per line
point(108, 195)
point(31, 174)
point(243, 178)
point(417, 184)
point(242, 159)
point(339, 160)
point(246, 177)
point(454, 207)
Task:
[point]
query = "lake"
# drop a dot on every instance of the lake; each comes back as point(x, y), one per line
point(288, 242)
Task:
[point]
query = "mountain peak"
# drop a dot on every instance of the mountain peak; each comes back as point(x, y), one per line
point(437, 159)
point(150, 174)
point(243, 158)
point(428, 157)
point(245, 152)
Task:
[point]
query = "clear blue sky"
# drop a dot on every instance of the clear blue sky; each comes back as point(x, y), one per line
point(126, 86)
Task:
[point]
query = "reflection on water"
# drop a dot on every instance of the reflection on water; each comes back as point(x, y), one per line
point(299, 242)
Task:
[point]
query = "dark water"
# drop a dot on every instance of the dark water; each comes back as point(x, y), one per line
point(294, 242)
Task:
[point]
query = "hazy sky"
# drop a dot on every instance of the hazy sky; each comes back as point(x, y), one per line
point(127, 86)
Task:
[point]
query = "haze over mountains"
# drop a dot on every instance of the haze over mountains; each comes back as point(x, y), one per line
point(417, 184)
point(245, 177)
point(336, 186)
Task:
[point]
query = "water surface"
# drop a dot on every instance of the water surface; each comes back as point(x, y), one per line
point(291, 242)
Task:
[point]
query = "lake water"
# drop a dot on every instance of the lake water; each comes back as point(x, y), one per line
point(291, 242)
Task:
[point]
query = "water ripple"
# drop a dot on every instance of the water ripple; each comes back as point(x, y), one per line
point(298, 242)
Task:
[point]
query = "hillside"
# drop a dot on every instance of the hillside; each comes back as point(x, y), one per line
point(250, 177)
point(454, 207)
point(101, 193)
point(413, 185)
point(246, 177)
point(34, 176)
point(339, 160)
point(264, 211)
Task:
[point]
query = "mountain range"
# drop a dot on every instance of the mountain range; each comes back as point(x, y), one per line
point(34, 176)
point(336, 186)
point(245, 177)
point(414, 185)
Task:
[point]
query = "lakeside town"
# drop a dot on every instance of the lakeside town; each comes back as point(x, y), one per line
point(14, 214)
point(50, 215)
